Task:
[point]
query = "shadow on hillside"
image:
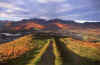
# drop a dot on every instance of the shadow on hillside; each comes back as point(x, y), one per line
point(70, 58)
point(8, 39)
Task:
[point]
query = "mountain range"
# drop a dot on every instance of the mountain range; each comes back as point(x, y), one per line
point(42, 24)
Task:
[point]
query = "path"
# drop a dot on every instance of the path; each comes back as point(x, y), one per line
point(48, 57)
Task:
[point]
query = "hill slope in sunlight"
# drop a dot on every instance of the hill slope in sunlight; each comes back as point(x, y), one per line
point(56, 24)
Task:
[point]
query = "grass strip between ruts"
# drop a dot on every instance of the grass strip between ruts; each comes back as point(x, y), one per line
point(58, 60)
point(38, 56)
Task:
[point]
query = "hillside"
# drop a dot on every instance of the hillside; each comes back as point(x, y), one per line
point(87, 29)
point(41, 24)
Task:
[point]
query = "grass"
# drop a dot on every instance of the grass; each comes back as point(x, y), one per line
point(86, 50)
point(24, 59)
point(31, 57)
point(58, 60)
point(88, 34)
point(37, 58)
point(23, 51)
point(15, 48)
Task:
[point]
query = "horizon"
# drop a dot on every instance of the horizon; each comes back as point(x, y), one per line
point(76, 21)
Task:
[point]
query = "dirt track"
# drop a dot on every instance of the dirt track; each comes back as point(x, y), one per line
point(68, 57)
point(48, 57)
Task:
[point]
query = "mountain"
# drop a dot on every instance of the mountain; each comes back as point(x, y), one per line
point(19, 26)
point(92, 24)
point(42, 24)
point(36, 20)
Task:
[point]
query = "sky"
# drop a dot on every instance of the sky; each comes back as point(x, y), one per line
point(87, 10)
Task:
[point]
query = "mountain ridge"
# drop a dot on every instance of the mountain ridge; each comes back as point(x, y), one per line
point(28, 24)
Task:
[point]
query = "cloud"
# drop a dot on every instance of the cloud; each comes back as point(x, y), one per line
point(67, 8)
point(3, 15)
point(10, 17)
point(44, 17)
point(48, 1)
point(9, 11)
point(10, 6)
point(63, 8)
point(6, 5)
point(70, 17)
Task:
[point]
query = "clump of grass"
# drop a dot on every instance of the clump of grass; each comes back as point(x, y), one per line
point(85, 38)
point(40, 43)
